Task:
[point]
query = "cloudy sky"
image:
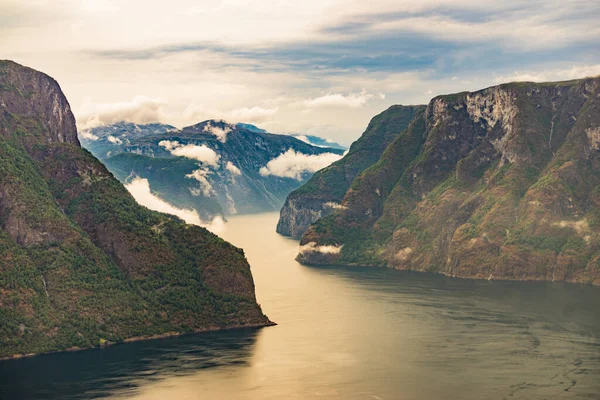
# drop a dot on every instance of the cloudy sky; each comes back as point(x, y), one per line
point(321, 67)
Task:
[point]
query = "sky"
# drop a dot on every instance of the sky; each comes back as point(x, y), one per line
point(319, 67)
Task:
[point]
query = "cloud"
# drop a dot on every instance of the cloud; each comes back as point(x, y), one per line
point(88, 135)
point(141, 110)
point(303, 138)
point(254, 114)
point(220, 133)
point(552, 74)
point(114, 140)
point(313, 248)
point(295, 165)
point(334, 205)
point(235, 171)
point(140, 190)
point(201, 175)
point(200, 153)
point(352, 100)
point(319, 51)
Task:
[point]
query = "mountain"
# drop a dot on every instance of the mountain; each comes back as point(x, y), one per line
point(213, 167)
point(502, 183)
point(81, 263)
point(310, 139)
point(323, 193)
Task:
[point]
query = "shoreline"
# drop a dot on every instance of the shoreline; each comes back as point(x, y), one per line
point(143, 338)
point(471, 278)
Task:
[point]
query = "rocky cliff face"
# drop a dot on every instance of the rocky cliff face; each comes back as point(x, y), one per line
point(81, 263)
point(322, 194)
point(214, 167)
point(497, 184)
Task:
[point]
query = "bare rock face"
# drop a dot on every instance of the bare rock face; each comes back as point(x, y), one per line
point(29, 93)
point(81, 263)
point(322, 194)
point(501, 183)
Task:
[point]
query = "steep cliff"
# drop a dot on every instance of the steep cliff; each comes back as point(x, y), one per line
point(502, 183)
point(322, 194)
point(214, 167)
point(81, 263)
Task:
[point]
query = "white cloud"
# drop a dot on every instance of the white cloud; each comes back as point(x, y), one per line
point(221, 134)
point(303, 139)
point(88, 135)
point(140, 190)
point(294, 165)
point(552, 75)
point(335, 206)
point(235, 171)
point(313, 248)
point(201, 175)
point(352, 100)
point(200, 153)
point(254, 114)
point(141, 110)
point(114, 140)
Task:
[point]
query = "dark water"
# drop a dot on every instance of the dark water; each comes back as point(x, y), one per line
point(350, 333)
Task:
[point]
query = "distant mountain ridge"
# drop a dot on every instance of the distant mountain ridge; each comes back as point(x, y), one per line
point(310, 139)
point(213, 167)
point(501, 183)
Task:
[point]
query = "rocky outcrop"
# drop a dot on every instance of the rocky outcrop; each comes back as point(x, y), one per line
point(298, 214)
point(495, 184)
point(27, 93)
point(322, 194)
point(81, 263)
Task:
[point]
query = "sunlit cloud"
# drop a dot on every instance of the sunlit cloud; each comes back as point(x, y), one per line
point(296, 165)
point(201, 175)
point(321, 67)
point(140, 190)
point(352, 100)
point(140, 110)
point(235, 171)
point(201, 153)
point(220, 133)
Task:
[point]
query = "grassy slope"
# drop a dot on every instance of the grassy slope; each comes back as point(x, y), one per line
point(82, 264)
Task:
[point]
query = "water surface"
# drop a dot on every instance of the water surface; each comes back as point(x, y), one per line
point(350, 333)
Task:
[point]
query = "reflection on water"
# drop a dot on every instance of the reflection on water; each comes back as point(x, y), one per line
point(350, 333)
point(123, 368)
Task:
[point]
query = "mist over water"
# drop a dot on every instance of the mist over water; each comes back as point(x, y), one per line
point(349, 333)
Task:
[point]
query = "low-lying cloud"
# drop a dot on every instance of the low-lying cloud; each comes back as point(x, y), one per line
point(201, 175)
point(88, 135)
point(200, 153)
point(295, 165)
point(235, 171)
point(140, 110)
point(352, 100)
point(253, 114)
point(114, 140)
point(140, 190)
point(312, 247)
point(220, 133)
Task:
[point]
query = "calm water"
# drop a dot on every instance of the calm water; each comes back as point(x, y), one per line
point(350, 333)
